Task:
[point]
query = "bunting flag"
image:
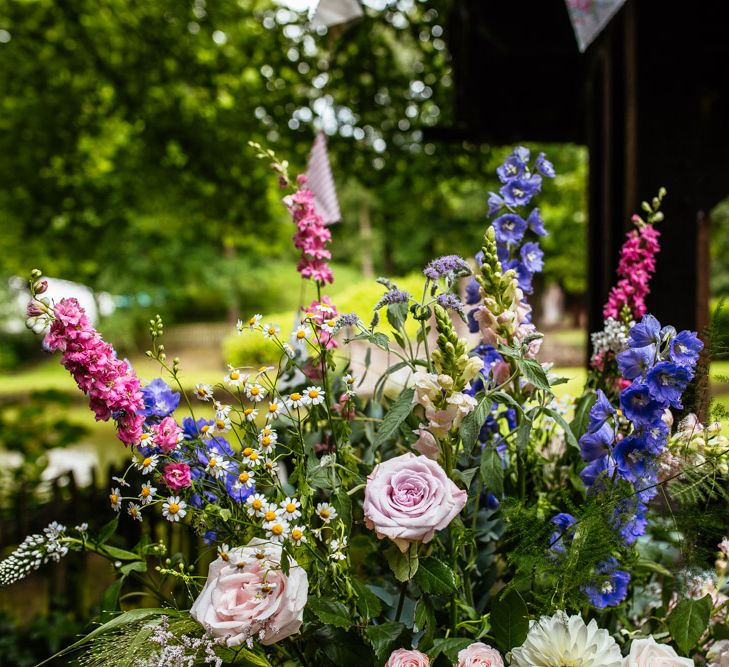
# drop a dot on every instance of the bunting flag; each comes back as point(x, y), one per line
point(321, 182)
point(589, 17)
point(336, 12)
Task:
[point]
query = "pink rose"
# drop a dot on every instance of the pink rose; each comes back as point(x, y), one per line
point(479, 655)
point(247, 595)
point(177, 476)
point(409, 498)
point(649, 653)
point(407, 658)
point(167, 434)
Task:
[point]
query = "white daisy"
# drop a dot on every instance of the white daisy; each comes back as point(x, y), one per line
point(297, 535)
point(234, 377)
point(251, 457)
point(255, 320)
point(315, 395)
point(147, 464)
point(146, 440)
point(554, 641)
point(275, 409)
point(301, 334)
point(271, 330)
point(290, 352)
point(289, 509)
point(326, 512)
point(323, 308)
point(349, 382)
point(222, 411)
point(134, 511)
point(329, 325)
point(120, 481)
point(270, 513)
point(146, 493)
point(204, 392)
point(256, 505)
point(276, 530)
point(224, 552)
point(267, 433)
point(271, 466)
point(221, 426)
point(206, 430)
point(250, 414)
point(173, 509)
point(115, 499)
point(296, 400)
point(337, 549)
point(255, 392)
point(245, 479)
point(263, 370)
point(217, 464)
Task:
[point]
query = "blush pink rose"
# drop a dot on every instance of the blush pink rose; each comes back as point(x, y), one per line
point(649, 653)
point(177, 476)
point(479, 655)
point(247, 595)
point(409, 498)
point(407, 658)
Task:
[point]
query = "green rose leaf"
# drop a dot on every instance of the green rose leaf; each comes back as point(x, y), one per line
point(435, 577)
point(509, 620)
point(330, 612)
point(368, 604)
point(383, 637)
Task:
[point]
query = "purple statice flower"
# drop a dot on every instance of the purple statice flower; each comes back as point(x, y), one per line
point(536, 224)
point(473, 292)
point(638, 405)
point(392, 297)
point(159, 399)
point(494, 203)
point(595, 445)
point(509, 228)
point(532, 256)
point(610, 587)
point(564, 532)
point(512, 168)
point(450, 301)
point(631, 457)
point(519, 191)
point(600, 412)
point(544, 166)
point(685, 349)
point(629, 520)
point(667, 381)
point(635, 362)
point(646, 332)
point(448, 266)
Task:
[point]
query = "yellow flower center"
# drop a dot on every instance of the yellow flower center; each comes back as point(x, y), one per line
point(255, 391)
point(244, 477)
point(248, 411)
point(265, 442)
point(219, 423)
point(296, 396)
point(257, 504)
point(145, 491)
point(173, 508)
point(212, 463)
point(260, 555)
point(144, 436)
point(147, 462)
point(313, 393)
point(290, 508)
point(271, 331)
point(204, 428)
point(273, 407)
point(253, 456)
point(300, 334)
point(324, 514)
point(262, 369)
point(296, 534)
point(252, 321)
point(133, 511)
point(247, 451)
point(114, 498)
point(224, 555)
point(270, 515)
point(201, 391)
point(331, 323)
point(277, 529)
point(234, 375)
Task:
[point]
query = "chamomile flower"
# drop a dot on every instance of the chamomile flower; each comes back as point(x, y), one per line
point(146, 439)
point(301, 334)
point(263, 370)
point(267, 432)
point(224, 552)
point(115, 499)
point(270, 466)
point(326, 512)
point(256, 504)
point(337, 549)
point(329, 325)
point(217, 464)
point(290, 509)
point(275, 409)
point(315, 395)
point(204, 392)
point(245, 479)
point(146, 493)
point(221, 425)
point(276, 530)
point(234, 377)
point(270, 513)
point(349, 382)
point(255, 320)
point(271, 330)
point(222, 411)
point(290, 352)
point(251, 457)
point(255, 392)
point(173, 509)
point(135, 512)
point(323, 308)
point(120, 481)
point(147, 464)
point(297, 535)
point(250, 414)
point(296, 400)
point(206, 430)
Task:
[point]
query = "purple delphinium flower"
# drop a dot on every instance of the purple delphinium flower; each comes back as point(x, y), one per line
point(630, 520)
point(685, 349)
point(522, 152)
point(159, 399)
point(495, 204)
point(451, 266)
point(536, 224)
point(595, 445)
point(473, 292)
point(638, 405)
point(610, 587)
point(596, 473)
point(519, 191)
point(667, 381)
point(655, 435)
point(631, 457)
point(191, 428)
point(532, 256)
point(635, 362)
point(544, 166)
point(512, 168)
point(600, 412)
point(210, 537)
point(509, 228)
point(563, 523)
point(646, 332)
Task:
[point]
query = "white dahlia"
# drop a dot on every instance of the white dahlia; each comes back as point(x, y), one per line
point(565, 641)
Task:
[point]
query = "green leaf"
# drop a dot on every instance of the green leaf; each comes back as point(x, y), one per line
point(425, 621)
point(242, 656)
point(395, 416)
point(688, 621)
point(403, 565)
point(134, 566)
point(435, 577)
point(108, 530)
point(509, 620)
point(471, 425)
point(492, 471)
point(383, 637)
point(569, 435)
point(368, 604)
point(533, 373)
point(652, 566)
point(343, 504)
point(330, 612)
point(579, 422)
point(118, 554)
point(449, 647)
point(465, 476)
point(523, 433)
point(110, 601)
point(397, 313)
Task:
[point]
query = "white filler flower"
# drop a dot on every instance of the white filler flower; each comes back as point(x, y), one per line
point(561, 640)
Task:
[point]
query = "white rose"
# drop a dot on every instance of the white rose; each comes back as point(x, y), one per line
point(648, 653)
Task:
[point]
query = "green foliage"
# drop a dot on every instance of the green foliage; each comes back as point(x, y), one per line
point(688, 621)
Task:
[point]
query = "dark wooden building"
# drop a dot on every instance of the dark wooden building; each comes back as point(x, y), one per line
point(650, 100)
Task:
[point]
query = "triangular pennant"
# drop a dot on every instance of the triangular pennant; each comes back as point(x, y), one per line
point(321, 182)
point(589, 17)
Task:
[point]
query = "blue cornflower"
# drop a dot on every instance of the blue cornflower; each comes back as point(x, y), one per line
point(667, 382)
point(655, 435)
point(159, 399)
point(630, 520)
point(595, 445)
point(611, 588)
point(544, 166)
point(519, 191)
point(564, 523)
point(536, 224)
point(631, 457)
point(638, 405)
point(646, 332)
point(685, 348)
point(512, 168)
point(495, 203)
point(509, 228)
point(532, 256)
point(600, 412)
point(191, 428)
point(473, 292)
point(634, 362)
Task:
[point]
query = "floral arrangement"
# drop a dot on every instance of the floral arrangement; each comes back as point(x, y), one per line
point(467, 517)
